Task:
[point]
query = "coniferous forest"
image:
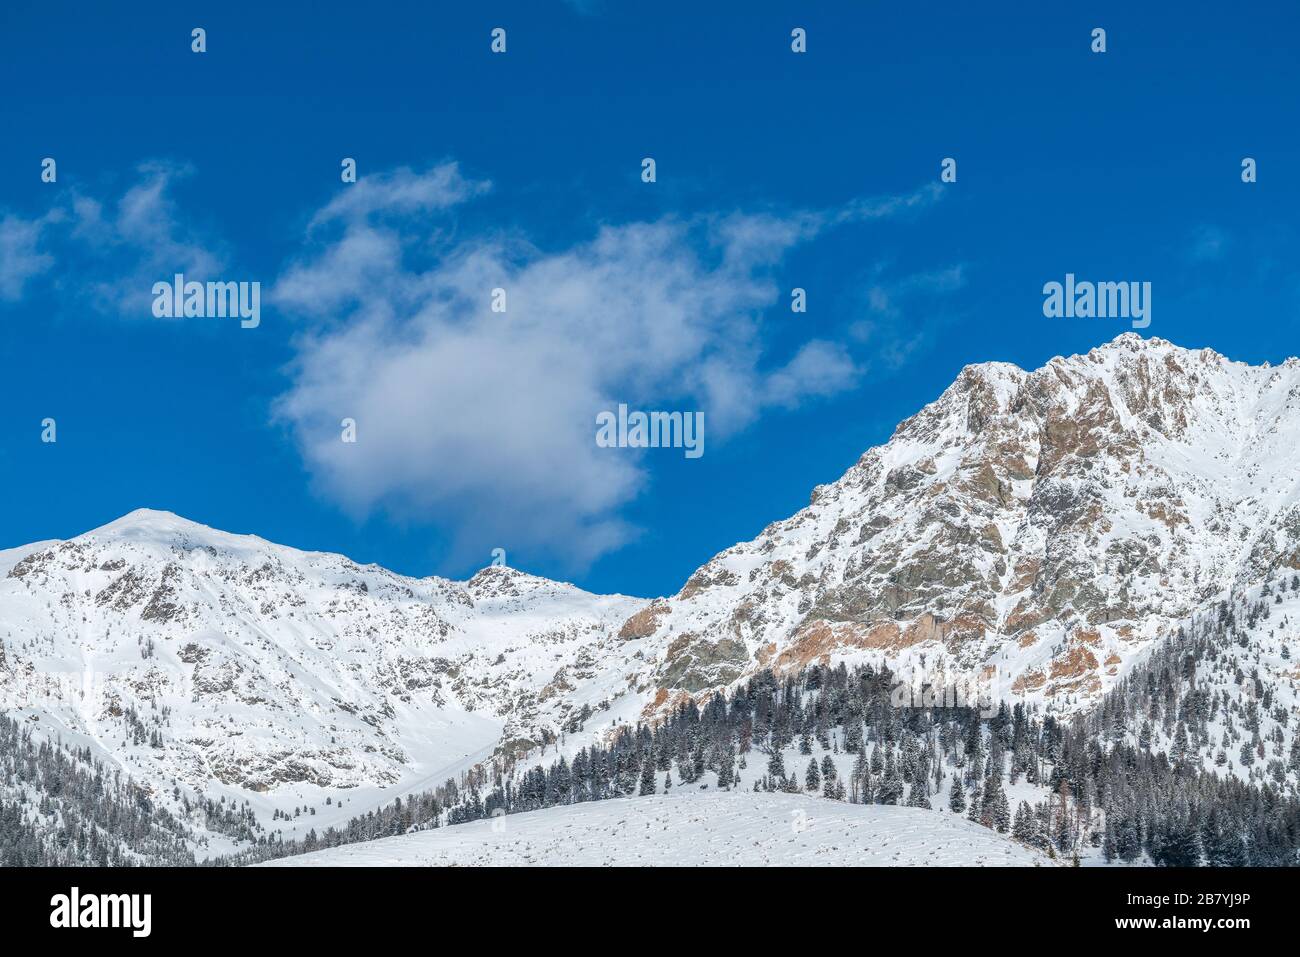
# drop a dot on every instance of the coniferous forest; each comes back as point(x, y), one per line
point(61, 807)
point(1142, 777)
point(1137, 779)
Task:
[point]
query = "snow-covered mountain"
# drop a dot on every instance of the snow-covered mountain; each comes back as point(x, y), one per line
point(226, 663)
point(1036, 530)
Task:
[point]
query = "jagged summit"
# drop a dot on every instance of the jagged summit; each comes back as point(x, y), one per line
point(1041, 527)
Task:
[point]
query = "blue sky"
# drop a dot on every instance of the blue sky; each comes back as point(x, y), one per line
point(774, 170)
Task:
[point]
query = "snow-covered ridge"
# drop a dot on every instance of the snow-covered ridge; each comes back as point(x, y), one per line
point(229, 665)
point(1036, 530)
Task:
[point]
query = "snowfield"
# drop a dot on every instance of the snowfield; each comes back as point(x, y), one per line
point(695, 829)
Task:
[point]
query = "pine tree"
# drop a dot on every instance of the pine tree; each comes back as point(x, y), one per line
point(647, 777)
point(1109, 843)
point(812, 779)
point(1025, 828)
point(775, 765)
point(1064, 831)
point(996, 810)
point(1179, 751)
point(857, 784)
point(726, 770)
point(957, 796)
point(891, 786)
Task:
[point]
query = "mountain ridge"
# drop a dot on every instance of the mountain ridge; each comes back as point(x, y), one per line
point(1031, 532)
point(996, 480)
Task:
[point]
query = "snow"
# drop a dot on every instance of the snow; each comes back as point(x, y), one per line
point(1179, 488)
point(695, 829)
point(284, 677)
point(9, 557)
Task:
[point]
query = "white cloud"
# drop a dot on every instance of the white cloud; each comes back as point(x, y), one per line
point(19, 258)
point(485, 422)
point(110, 251)
point(478, 421)
point(402, 192)
point(819, 369)
point(885, 297)
point(146, 237)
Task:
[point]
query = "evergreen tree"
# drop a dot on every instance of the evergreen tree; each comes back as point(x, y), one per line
point(647, 777)
point(726, 769)
point(1025, 828)
point(812, 779)
point(776, 766)
point(957, 796)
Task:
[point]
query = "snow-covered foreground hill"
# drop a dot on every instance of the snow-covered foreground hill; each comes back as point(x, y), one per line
point(695, 829)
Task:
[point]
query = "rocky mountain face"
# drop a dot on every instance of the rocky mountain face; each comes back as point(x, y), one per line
point(1038, 531)
point(192, 655)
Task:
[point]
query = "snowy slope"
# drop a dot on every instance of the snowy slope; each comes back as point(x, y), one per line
point(1036, 532)
point(229, 665)
point(1233, 675)
point(9, 557)
point(696, 829)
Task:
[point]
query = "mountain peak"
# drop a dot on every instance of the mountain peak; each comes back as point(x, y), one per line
point(1131, 340)
point(1042, 527)
point(153, 517)
point(1132, 344)
point(157, 525)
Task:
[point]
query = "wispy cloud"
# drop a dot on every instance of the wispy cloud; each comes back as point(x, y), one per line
point(480, 421)
point(485, 421)
point(900, 317)
point(402, 192)
point(148, 238)
point(20, 257)
point(108, 251)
